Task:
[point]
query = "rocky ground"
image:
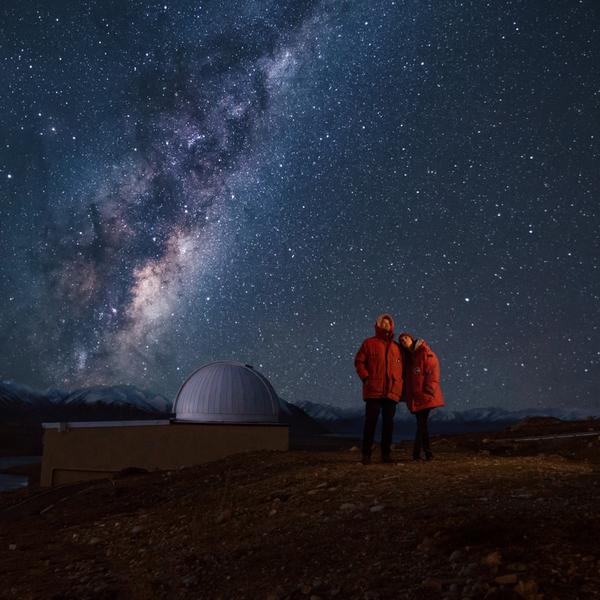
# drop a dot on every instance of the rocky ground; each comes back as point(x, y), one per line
point(486, 519)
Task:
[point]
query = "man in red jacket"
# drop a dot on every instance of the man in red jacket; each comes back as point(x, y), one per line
point(422, 390)
point(379, 365)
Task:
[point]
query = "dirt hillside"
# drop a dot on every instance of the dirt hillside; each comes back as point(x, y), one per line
point(473, 523)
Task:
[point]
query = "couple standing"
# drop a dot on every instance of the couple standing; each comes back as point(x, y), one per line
point(391, 372)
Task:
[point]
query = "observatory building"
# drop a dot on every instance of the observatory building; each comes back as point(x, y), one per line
point(222, 408)
point(227, 392)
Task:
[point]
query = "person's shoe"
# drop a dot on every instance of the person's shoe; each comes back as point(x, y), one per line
point(428, 455)
point(416, 457)
point(366, 459)
point(386, 459)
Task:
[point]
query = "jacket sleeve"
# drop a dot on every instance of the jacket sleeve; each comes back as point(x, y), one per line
point(360, 362)
point(431, 380)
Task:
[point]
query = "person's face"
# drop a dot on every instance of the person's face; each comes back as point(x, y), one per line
point(406, 341)
point(386, 325)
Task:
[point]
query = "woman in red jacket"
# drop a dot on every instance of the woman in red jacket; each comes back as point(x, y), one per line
point(422, 390)
point(379, 365)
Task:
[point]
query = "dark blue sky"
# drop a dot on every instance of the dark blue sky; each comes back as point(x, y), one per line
point(188, 181)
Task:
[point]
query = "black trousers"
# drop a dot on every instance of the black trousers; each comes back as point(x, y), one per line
point(422, 436)
point(372, 408)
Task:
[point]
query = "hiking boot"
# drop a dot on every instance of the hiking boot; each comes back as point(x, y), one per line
point(428, 455)
point(386, 459)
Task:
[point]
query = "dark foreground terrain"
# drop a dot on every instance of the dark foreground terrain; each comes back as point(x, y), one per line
point(490, 517)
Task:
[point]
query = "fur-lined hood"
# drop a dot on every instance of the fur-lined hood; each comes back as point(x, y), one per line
point(379, 332)
point(418, 343)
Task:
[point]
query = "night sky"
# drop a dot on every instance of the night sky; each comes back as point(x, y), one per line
point(185, 181)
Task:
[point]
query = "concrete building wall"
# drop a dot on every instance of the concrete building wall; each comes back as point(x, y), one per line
point(78, 451)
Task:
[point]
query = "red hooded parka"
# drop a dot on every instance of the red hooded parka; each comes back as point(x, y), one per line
point(379, 364)
point(422, 378)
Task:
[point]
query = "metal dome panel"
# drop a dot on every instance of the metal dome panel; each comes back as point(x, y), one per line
point(227, 392)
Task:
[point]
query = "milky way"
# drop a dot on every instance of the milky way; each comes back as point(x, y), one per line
point(183, 182)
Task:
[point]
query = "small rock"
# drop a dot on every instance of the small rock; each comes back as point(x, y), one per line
point(434, 585)
point(456, 556)
point(272, 512)
point(354, 449)
point(470, 569)
point(94, 541)
point(527, 589)
point(347, 506)
point(189, 580)
point(493, 559)
point(136, 529)
point(377, 508)
point(224, 516)
point(507, 579)
point(425, 545)
point(12, 546)
point(521, 494)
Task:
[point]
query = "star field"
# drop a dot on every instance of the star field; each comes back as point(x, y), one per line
point(183, 182)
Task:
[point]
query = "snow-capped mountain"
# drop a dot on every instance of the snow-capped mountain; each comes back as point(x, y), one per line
point(442, 420)
point(327, 413)
point(116, 402)
point(16, 398)
point(12, 394)
point(493, 414)
point(119, 394)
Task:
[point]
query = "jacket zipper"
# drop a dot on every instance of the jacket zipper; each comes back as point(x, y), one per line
point(387, 349)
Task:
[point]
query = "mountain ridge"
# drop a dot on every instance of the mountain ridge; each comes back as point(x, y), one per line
point(16, 398)
point(331, 413)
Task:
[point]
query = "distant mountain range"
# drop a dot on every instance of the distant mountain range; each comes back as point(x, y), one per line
point(19, 402)
point(348, 421)
point(115, 401)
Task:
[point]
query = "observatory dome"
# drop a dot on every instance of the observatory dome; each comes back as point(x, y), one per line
point(227, 392)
